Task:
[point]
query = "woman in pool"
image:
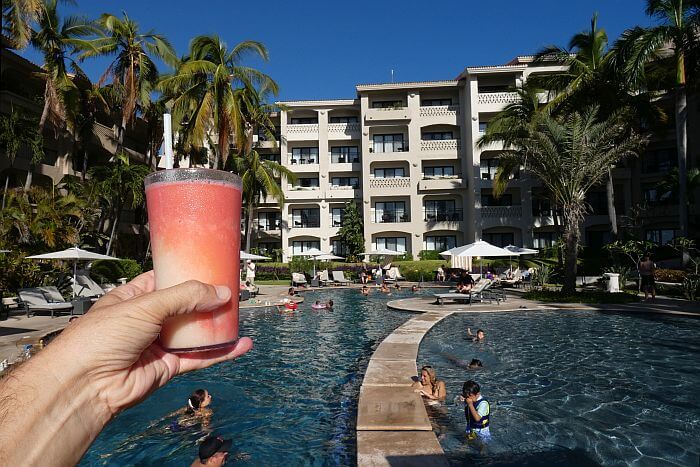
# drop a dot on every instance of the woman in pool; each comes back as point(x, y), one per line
point(385, 288)
point(429, 386)
point(365, 290)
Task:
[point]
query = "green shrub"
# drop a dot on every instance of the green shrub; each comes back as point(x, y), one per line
point(429, 254)
point(106, 271)
point(691, 287)
point(669, 275)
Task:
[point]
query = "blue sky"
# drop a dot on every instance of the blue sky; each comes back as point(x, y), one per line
point(322, 49)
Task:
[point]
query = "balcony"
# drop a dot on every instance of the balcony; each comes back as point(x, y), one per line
point(449, 215)
point(390, 217)
point(389, 183)
point(501, 212)
point(304, 164)
point(343, 192)
point(497, 99)
point(266, 227)
point(387, 114)
point(439, 114)
point(440, 182)
point(306, 224)
point(302, 131)
point(450, 146)
point(302, 192)
point(343, 130)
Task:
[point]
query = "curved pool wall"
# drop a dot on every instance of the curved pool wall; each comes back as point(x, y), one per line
point(292, 400)
point(572, 387)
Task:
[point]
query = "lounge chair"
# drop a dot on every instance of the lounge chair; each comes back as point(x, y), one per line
point(339, 278)
point(395, 274)
point(477, 294)
point(85, 286)
point(43, 299)
point(298, 279)
point(323, 278)
point(514, 281)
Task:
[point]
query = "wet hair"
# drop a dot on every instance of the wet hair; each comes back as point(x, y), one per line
point(290, 291)
point(318, 302)
point(196, 399)
point(470, 388)
point(480, 331)
point(330, 303)
point(476, 363)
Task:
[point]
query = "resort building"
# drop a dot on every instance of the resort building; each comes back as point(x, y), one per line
point(407, 154)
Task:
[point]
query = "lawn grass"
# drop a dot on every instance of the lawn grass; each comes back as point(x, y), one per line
point(597, 297)
point(272, 282)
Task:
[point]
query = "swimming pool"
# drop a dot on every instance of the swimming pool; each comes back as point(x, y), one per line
point(573, 387)
point(292, 400)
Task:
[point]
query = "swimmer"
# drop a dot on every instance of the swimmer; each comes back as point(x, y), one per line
point(480, 335)
point(477, 411)
point(475, 363)
point(429, 386)
point(365, 290)
point(414, 288)
point(329, 305)
point(213, 452)
point(291, 292)
point(197, 411)
point(385, 288)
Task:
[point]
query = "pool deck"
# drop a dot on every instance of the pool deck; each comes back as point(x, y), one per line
point(393, 428)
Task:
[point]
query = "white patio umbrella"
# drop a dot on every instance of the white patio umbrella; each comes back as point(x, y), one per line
point(479, 248)
point(76, 254)
point(328, 257)
point(245, 256)
point(519, 251)
point(381, 252)
point(314, 253)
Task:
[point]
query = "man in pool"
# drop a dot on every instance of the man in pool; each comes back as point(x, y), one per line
point(477, 411)
point(365, 290)
point(54, 405)
point(213, 451)
point(478, 337)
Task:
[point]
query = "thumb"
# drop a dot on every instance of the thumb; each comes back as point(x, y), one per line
point(179, 299)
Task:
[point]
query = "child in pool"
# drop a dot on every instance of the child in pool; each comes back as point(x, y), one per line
point(477, 412)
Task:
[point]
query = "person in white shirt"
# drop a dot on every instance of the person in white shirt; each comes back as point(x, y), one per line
point(250, 272)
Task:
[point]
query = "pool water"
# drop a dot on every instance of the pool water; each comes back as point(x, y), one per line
point(292, 400)
point(572, 388)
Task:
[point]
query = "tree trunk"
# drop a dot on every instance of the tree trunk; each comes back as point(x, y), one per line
point(4, 193)
point(249, 227)
point(83, 172)
point(682, 142)
point(612, 214)
point(557, 231)
point(42, 123)
point(571, 240)
point(113, 234)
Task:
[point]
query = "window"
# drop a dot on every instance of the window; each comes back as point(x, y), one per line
point(541, 207)
point(483, 126)
point(660, 160)
point(391, 243)
point(441, 210)
point(390, 211)
point(388, 143)
point(438, 171)
point(344, 154)
point(435, 102)
point(269, 220)
point(440, 243)
point(598, 201)
point(433, 135)
point(304, 120)
point(304, 155)
point(490, 200)
point(337, 215)
point(500, 239)
point(488, 168)
point(495, 88)
point(653, 196)
point(349, 119)
point(389, 173)
point(268, 246)
point(339, 248)
point(346, 181)
point(308, 217)
point(660, 236)
point(270, 157)
point(300, 247)
point(307, 182)
point(543, 239)
point(387, 105)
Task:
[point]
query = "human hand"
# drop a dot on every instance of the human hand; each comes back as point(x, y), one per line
point(115, 345)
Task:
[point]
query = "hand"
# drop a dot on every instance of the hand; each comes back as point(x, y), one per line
point(115, 347)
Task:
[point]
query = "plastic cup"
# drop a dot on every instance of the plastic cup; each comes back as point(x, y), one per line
point(195, 225)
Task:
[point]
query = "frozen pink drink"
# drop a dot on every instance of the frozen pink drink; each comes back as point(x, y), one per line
point(195, 225)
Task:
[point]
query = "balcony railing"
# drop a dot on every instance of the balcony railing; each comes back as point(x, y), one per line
point(301, 128)
point(344, 158)
point(303, 160)
point(438, 215)
point(344, 187)
point(343, 128)
point(397, 182)
point(335, 222)
point(264, 224)
point(439, 111)
point(388, 217)
point(397, 146)
point(440, 145)
point(306, 224)
point(498, 97)
point(500, 212)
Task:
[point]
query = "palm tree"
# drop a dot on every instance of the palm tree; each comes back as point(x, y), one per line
point(670, 184)
point(56, 40)
point(570, 154)
point(18, 131)
point(17, 17)
point(260, 180)
point(211, 90)
point(675, 38)
point(132, 72)
point(119, 184)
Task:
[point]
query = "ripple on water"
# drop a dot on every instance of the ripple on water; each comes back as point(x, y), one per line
point(574, 388)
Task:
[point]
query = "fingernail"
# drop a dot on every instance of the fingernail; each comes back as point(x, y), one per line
point(223, 292)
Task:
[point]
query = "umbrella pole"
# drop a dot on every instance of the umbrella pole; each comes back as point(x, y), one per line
point(75, 275)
